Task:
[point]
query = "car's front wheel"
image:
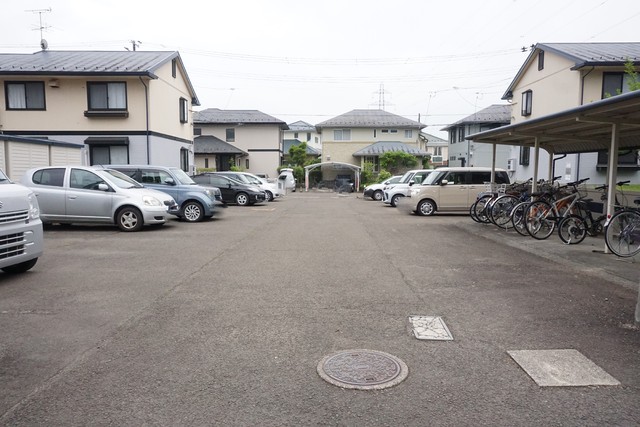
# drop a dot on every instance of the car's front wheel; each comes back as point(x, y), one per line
point(193, 212)
point(394, 200)
point(129, 219)
point(377, 195)
point(269, 196)
point(242, 199)
point(426, 208)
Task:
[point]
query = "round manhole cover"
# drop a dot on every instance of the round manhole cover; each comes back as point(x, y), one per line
point(362, 369)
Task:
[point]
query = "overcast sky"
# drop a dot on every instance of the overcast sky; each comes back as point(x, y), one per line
point(439, 61)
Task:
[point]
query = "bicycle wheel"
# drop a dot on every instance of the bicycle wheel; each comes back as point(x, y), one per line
point(517, 215)
point(572, 229)
point(472, 211)
point(622, 235)
point(480, 209)
point(539, 220)
point(501, 209)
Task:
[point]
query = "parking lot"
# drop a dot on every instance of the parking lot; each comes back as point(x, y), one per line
point(224, 322)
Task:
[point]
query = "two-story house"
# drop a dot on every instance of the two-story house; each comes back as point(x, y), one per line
point(463, 152)
point(120, 107)
point(247, 139)
point(304, 132)
point(436, 147)
point(362, 136)
point(559, 76)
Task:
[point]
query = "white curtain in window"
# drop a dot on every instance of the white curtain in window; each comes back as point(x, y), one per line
point(17, 97)
point(117, 95)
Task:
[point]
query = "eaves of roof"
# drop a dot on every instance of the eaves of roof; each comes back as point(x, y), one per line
point(379, 148)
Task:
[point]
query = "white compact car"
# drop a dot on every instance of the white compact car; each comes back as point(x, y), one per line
point(97, 195)
point(375, 190)
point(393, 192)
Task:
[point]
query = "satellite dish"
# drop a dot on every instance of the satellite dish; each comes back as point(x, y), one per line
point(44, 44)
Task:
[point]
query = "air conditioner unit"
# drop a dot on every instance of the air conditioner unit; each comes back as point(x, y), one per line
point(511, 164)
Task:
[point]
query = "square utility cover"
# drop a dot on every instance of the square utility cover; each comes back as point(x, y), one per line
point(430, 328)
point(561, 368)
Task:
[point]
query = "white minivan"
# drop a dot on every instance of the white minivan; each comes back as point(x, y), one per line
point(450, 189)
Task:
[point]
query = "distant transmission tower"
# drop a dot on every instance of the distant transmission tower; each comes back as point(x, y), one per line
point(381, 97)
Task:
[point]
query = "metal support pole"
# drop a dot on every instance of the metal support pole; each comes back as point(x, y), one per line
point(612, 174)
point(493, 163)
point(306, 179)
point(536, 162)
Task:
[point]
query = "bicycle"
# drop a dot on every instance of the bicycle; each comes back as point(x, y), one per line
point(547, 189)
point(622, 231)
point(541, 217)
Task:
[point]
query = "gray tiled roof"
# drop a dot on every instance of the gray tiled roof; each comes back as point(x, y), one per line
point(84, 62)
point(288, 143)
point(382, 147)
point(587, 54)
point(208, 144)
point(301, 126)
point(218, 116)
point(497, 113)
point(370, 119)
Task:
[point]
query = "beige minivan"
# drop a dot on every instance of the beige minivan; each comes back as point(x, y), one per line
point(451, 189)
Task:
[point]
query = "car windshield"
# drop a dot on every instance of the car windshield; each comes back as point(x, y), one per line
point(3, 178)
point(121, 180)
point(182, 177)
point(253, 180)
point(406, 177)
point(433, 178)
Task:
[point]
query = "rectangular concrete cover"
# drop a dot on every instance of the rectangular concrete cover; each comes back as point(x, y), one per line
point(561, 368)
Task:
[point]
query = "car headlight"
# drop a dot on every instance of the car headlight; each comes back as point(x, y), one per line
point(151, 201)
point(34, 209)
point(209, 194)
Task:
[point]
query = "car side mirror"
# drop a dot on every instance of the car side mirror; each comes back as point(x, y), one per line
point(411, 183)
point(444, 182)
point(103, 187)
point(169, 181)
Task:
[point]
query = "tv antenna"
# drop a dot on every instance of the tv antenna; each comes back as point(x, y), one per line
point(134, 44)
point(43, 43)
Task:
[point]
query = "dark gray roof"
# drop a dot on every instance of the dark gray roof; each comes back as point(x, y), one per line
point(382, 147)
point(582, 55)
point(218, 116)
point(432, 139)
point(301, 126)
point(370, 119)
point(497, 113)
point(208, 144)
point(288, 143)
point(90, 63)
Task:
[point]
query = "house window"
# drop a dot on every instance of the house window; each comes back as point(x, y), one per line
point(108, 154)
point(246, 164)
point(408, 133)
point(461, 133)
point(107, 96)
point(295, 135)
point(184, 159)
point(184, 110)
point(206, 163)
point(527, 103)
point(614, 84)
point(525, 153)
point(452, 136)
point(626, 159)
point(174, 68)
point(342, 135)
point(230, 135)
point(375, 161)
point(308, 136)
point(541, 60)
point(197, 131)
point(24, 95)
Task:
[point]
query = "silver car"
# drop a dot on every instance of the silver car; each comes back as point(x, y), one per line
point(86, 194)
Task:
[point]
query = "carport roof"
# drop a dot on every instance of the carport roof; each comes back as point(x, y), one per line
point(582, 129)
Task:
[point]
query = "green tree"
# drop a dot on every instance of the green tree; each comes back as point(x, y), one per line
point(396, 161)
point(298, 154)
point(632, 75)
point(366, 175)
point(384, 175)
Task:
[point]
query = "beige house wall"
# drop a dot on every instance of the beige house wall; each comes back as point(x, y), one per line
point(554, 88)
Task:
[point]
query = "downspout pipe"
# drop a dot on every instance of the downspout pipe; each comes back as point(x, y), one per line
point(146, 108)
point(584, 76)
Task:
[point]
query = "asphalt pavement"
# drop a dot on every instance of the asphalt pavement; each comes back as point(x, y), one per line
point(225, 322)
